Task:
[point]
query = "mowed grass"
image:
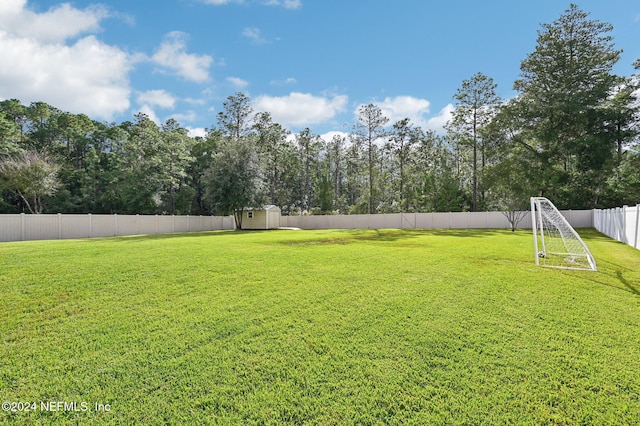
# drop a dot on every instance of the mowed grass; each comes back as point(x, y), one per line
point(319, 327)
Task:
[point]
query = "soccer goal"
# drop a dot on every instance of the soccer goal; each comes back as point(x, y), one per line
point(556, 243)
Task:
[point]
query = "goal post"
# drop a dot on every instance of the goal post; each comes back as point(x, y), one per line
point(556, 244)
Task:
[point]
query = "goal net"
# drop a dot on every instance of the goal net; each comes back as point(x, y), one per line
point(556, 243)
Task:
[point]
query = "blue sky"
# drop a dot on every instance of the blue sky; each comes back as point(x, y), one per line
point(311, 63)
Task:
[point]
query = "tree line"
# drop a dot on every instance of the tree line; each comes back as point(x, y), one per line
point(570, 134)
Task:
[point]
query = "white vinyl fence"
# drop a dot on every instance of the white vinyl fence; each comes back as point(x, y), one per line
point(463, 220)
point(621, 223)
point(23, 227)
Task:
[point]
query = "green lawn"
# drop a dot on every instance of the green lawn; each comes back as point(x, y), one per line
point(318, 327)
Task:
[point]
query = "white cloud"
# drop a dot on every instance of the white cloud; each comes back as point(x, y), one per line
point(56, 25)
point(220, 2)
point(301, 109)
point(287, 4)
point(197, 131)
point(185, 117)
point(284, 82)
point(292, 4)
point(172, 55)
point(254, 35)
point(149, 111)
point(39, 63)
point(328, 137)
point(438, 122)
point(195, 101)
point(85, 77)
point(237, 82)
point(160, 98)
point(402, 107)
point(416, 109)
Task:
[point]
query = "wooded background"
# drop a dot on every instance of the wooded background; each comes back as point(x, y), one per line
point(570, 134)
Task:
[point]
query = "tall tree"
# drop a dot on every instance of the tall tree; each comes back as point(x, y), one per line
point(235, 179)
point(271, 142)
point(42, 126)
point(75, 136)
point(354, 185)
point(435, 176)
point(203, 150)
point(403, 137)
point(335, 166)
point(369, 130)
point(16, 112)
point(564, 82)
point(9, 136)
point(235, 121)
point(476, 100)
point(138, 182)
point(309, 146)
point(175, 155)
point(622, 113)
point(623, 110)
point(32, 176)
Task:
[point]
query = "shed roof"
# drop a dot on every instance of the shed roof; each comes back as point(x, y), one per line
point(267, 207)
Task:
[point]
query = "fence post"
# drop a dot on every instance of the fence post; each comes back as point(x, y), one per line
point(23, 227)
point(635, 243)
point(90, 225)
point(624, 225)
point(620, 215)
point(115, 223)
point(59, 226)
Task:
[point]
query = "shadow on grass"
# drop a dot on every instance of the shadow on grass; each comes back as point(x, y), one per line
point(384, 234)
point(471, 232)
point(626, 283)
point(593, 234)
point(347, 236)
point(146, 237)
point(615, 270)
point(392, 234)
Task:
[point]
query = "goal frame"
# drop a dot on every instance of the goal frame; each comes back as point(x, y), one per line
point(537, 226)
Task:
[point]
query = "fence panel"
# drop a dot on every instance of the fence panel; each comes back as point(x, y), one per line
point(103, 225)
point(128, 225)
point(41, 227)
point(499, 220)
point(579, 218)
point(194, 224)
point(12, 227)
point(22, 227)
point(479, 220)
point(621, 223)
point(75, 226)
point(424, 220)
point(149, 225)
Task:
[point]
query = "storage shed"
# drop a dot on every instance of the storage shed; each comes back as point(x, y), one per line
point(265, 217)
